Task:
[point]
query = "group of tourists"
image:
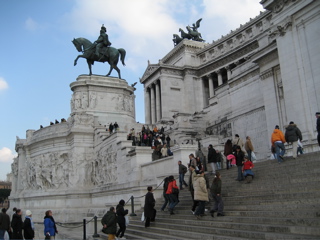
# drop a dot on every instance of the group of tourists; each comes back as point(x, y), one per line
point(113, 217)
point(292, 136)
point(154, 138)
point(19, 229)
point(113, 127)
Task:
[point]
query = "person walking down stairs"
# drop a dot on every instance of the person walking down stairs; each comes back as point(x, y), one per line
point(216, 195)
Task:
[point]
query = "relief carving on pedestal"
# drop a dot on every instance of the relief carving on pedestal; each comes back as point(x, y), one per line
point(105, 167)
point(93, 100)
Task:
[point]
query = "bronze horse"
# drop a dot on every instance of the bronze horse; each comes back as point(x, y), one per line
point(111, 55)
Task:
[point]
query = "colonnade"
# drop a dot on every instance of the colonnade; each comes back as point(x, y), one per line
point(220, 77)
point(153, 102)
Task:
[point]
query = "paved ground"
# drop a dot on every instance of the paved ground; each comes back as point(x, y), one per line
point(68, 232)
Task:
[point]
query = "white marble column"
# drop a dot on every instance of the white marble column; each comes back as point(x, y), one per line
point(211, 90)
point(147, 105)
point(158, 98)
point(153, 106)
point(228, 72)
point(219, 77)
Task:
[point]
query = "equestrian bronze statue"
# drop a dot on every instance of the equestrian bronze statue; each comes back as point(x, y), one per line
point(192, 34)
point(99, 51)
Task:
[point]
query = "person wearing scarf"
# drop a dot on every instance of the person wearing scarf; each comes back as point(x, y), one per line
point(50, 229)
point(28, 226)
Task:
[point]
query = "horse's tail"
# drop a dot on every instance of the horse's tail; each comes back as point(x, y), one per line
point(122, 55)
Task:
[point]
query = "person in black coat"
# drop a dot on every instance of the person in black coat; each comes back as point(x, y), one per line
point(120, 218)
point(212, 158)
point(239, 154)
point(28, 226)
point(17, 225)
point(149, 211)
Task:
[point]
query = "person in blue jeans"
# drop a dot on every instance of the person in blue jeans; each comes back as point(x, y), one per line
point(165, 195)
point(173, 192)
point(278, 140)
point(182, 171)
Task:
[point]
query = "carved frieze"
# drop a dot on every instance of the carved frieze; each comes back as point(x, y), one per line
point(279, 6)
point(280, 30)
point(214, 65)
point(266, 74)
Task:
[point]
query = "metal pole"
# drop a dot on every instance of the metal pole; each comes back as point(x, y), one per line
point(84, 229)
point(132, 207)
point(95, 227)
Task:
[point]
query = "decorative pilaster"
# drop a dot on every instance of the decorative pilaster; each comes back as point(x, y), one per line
point(228, 72)
point(153, 110)
point(147, 105)
point(158, 102)
point(219, 77)
point(211, 90)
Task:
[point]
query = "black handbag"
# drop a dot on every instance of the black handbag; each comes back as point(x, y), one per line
point(175, 190)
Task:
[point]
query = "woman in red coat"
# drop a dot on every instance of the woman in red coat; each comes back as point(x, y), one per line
point(173, 192)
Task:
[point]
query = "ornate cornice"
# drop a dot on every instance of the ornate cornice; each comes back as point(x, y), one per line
point(266, 74)
point(218, 63)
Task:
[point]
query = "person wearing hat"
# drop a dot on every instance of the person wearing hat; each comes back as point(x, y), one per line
point(278, 140)
point(121, 213)
point(28, 226)
point(318, 126)
point(292, 135)
point(102, 41)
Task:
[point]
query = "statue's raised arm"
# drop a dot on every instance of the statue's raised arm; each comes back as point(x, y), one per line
point(196, 25)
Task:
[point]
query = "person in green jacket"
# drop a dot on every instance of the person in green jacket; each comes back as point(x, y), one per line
point(109, 223)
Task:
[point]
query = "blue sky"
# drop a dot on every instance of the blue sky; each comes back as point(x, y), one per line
point(36, 60)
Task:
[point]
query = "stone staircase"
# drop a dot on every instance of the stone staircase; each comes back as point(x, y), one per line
point(282, 202)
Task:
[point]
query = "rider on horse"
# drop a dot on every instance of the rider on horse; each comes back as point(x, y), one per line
point(102, 41)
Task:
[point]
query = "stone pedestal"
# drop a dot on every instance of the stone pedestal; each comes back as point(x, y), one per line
point(107, 99)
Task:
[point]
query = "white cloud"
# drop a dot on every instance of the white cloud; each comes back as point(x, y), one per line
point(3, 84)
point(31, 24)
point(6, 155)
point(142, 27)
point(145, 28)
point(232, 12)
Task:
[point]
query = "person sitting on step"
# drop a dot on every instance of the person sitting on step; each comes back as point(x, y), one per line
point(247, 172)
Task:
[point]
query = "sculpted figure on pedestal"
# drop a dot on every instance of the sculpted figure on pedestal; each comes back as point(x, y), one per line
point(192, 34)
point(99, 51)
